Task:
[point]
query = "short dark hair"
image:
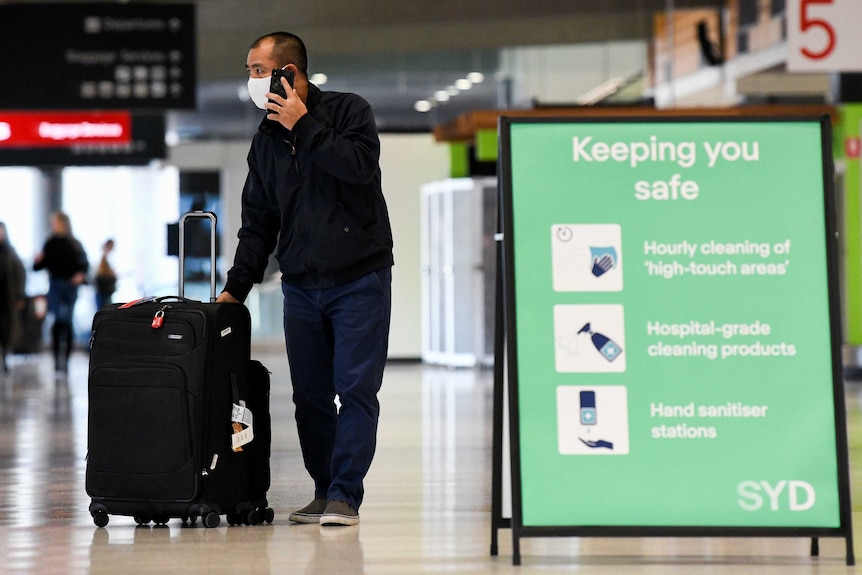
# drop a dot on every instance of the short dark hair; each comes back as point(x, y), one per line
point(287, 48)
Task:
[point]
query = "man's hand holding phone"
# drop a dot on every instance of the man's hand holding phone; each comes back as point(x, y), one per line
point(275, 85)
point(285, 106)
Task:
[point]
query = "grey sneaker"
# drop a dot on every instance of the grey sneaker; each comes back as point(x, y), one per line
point(310, 513)
point(339, 513)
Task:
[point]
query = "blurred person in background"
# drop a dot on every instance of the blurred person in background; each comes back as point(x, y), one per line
point(106, 277)
point(13, 277)
point(64, 258)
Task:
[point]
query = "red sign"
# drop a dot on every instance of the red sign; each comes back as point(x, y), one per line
point(851, 147)
point(63, 130)
point(823, 35)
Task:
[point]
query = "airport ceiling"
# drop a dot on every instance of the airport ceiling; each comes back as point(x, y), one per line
point(393, 52)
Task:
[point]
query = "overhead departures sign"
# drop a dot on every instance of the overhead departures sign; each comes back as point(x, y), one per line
point(98, 56)
point(674, 324)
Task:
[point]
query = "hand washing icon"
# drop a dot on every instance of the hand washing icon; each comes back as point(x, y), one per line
point(586, 257)
point(605, 345)
point(604, 260)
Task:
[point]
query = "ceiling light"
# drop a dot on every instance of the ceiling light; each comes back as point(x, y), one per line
point(319, 79)
point(443, 96)
point(422, 106)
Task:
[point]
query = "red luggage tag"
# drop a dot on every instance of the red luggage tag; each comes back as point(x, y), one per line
point(137, 302)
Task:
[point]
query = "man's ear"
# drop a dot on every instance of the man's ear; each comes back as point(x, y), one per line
point(295, 70)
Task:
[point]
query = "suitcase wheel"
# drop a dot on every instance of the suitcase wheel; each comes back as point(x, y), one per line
point(100, 518)
point(261, 515)
point(140, 520)
point(211, 519)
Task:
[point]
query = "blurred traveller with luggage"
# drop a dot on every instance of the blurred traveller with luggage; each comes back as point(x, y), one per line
point(106, 277)
point(313, 195)
point(64, 258)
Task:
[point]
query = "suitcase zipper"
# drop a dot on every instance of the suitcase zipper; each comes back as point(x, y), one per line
point(118, 326)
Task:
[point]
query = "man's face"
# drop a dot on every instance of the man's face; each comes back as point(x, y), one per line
point(260, 63)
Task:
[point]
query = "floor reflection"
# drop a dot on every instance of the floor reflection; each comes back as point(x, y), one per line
point(427, 506)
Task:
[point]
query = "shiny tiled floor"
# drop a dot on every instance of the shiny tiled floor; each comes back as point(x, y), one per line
point(427, 506)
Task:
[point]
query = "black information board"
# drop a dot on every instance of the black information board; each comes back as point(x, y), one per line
point(97, 56)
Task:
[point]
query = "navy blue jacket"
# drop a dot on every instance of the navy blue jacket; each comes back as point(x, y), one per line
point(313, 195)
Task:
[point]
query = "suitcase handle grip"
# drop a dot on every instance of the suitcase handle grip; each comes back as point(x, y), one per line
point(182, 249)
point(175, 298)
point(154, 299)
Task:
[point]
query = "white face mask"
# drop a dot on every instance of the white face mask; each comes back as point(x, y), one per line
point(257, 89)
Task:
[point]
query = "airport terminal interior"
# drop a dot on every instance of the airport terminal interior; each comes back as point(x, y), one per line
point(439, 77)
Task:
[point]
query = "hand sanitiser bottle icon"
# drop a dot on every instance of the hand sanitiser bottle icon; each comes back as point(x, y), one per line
point(606, 346)
point(588, 407)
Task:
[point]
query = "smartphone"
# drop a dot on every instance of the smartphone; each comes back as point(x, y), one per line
point(275, 83)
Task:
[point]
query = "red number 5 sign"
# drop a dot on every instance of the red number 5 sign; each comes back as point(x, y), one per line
point(823, 35)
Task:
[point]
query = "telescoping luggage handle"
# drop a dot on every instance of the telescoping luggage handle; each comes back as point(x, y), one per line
point(197, 214)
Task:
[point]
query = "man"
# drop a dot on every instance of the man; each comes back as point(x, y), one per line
point(313, 195)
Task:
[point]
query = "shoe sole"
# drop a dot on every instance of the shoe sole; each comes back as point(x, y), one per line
point(304, 517)
point(335, 519)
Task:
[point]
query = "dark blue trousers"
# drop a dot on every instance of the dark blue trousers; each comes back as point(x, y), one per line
point(337, 340)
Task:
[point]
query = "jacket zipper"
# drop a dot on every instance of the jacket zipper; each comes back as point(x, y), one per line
point(300, 219)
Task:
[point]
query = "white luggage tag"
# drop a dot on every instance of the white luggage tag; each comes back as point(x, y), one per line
point(243, 425)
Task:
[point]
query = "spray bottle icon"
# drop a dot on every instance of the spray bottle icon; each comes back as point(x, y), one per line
point(606, 346)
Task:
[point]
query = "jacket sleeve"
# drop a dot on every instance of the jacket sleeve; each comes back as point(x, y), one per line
point(349, 148)
point(40, 262)
point(257, 237)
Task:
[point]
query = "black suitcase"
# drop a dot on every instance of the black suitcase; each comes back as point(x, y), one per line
point(178, 422)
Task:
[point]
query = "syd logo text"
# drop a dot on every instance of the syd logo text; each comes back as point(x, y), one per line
point(792, 495)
